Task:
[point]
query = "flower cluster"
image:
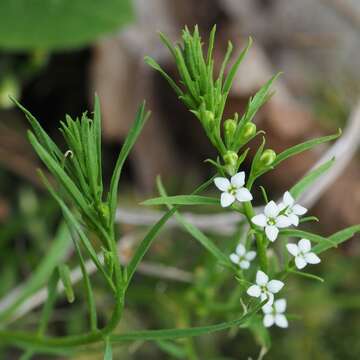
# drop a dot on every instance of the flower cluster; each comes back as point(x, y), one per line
point(273, 218)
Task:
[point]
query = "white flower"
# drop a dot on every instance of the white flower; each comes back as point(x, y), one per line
point(271, 220)
point(274, 314)
point(242, 257)
point(233, 189)
point(292, 210)
point(264, 288)
point(302, 253)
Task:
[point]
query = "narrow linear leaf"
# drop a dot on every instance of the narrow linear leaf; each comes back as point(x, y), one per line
point(74, 223)
point(307, 145)
point(309, 178)
point(196, 233)
point(169, 334)
point(337, 239)
point(64, 273)
point(182, 200)
point(307, 275)
point(307, 235)
point(55, 254)
point(152, 233)
point(130, 140)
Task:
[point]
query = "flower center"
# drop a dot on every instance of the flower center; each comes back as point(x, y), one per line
point(232, 190)
point(271, 221)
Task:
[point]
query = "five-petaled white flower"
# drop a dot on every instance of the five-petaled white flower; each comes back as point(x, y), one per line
point(292, 210)
point(274, 314)
point(233, 189)
point(302, 253)
point(242, 257)
point(264, 288)
point(271, 220)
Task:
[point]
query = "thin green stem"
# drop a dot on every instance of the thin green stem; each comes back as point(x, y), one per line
point(260, 241)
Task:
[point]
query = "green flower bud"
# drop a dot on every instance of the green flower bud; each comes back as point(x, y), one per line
point(229, 128)
point(9, 86)
point(248, 131)
point(267, 157)
point(209, 116)
point(230, 159)
point(105, 211)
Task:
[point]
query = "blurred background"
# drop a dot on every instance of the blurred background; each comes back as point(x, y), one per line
point(55, 54)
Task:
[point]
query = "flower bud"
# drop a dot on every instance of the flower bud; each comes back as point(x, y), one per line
point(230, 159)
point(267, 157)
point(248, 131)
point(209, 116)
point(229, 129)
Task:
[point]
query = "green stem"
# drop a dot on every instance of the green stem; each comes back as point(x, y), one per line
point(260, 241)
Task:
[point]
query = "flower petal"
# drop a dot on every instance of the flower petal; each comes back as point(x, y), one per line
point(226, 199)
point(281, 321)
point(304, 245)
point(294, 219)
point(259, 220)
point(251, 255)
point(244, 264)
point(283, 221)
point(271, 210)
point(272, 232)
point(300, 262)
point(243, 195)
point(254, 290)
point(222, 183)
point(267, 309)
point(275, 286)
point(299, 210)
point(280, 306)
point(238, 180)
point(234, 258)
point(261, 278)
point(268, 320)
point(288, 200)
point(269, 296)
point(312, 258)
point(240, 250)
point(293, 249)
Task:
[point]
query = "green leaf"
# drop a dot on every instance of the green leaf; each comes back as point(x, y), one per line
point(170, 334)
point(152, 233)
point(182, 200)
point(337, 238)
point(130, 140)
point(73, 223)
point(307, 275)
point(196, 233)
point(58, 25)
point(231, 75)
point(309, 178)
point(172, 349)
point(151, 62)
point(54, 255)
point(64, 273)
point(307, 145)
point(307, 235)
point(108, 349)
point(43, 138)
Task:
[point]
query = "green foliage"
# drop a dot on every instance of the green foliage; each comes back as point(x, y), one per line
point(58, 25)
point(89, 213)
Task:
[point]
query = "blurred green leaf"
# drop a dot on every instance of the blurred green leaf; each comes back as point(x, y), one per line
point(59, 24)
point(182, 200)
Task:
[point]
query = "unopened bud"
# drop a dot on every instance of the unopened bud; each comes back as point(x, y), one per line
point(248, 131)
point(209, 116)
point(230, 159)
point(267, 157)
point(229, 130)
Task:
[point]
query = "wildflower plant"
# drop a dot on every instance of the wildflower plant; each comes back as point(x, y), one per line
point(258, 275)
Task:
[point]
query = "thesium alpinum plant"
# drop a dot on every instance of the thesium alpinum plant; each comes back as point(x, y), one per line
point(271, 246)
